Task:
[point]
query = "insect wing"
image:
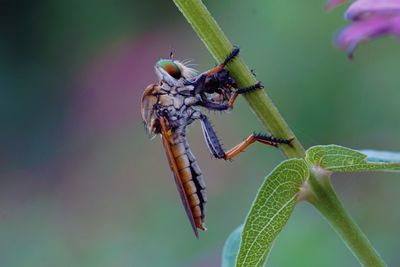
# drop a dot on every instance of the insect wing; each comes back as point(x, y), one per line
point(165, 135)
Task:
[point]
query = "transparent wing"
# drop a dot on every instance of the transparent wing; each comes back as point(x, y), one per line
point(165, 136)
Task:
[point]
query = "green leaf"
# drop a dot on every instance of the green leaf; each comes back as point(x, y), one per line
point(270, 211)
point(381, 156)
point(341, 159)
point(231, 248)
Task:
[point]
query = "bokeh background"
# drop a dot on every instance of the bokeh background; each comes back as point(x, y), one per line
point(81, 184)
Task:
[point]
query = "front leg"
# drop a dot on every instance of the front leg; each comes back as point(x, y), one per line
point(199, 82)
point(234, 53)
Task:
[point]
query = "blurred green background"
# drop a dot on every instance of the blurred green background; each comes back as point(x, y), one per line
point(82, 185)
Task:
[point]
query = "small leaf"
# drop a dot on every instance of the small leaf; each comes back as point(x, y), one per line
point(381, 156)
point(231, 248)
point(270, 211)
point(341, 159)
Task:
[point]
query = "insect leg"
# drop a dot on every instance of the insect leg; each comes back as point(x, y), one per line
point(211, 138)
point(199, 82)
point(230, 57)
point(214, 106)
point(225, 106)
point(264, 139)
point(210, 83)
point(250, 88)
point(234, 53)
point(240, 91)
point(216, 149)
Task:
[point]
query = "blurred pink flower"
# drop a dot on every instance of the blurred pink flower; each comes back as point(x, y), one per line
point(364, 8)
point(370, 19)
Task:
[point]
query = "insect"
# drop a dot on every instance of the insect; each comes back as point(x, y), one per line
point(173, 103)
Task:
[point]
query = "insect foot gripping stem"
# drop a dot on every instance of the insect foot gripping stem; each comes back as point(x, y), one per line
point(274, 140)
point(250, 88)
point(234, 53)
point(239, 91)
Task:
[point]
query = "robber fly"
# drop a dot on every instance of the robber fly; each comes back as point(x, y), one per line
point(174, 103)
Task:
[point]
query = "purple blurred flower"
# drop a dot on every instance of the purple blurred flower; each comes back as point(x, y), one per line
point(365, 8)
point(371, 19)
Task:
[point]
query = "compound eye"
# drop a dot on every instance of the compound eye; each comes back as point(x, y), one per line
point(170, 67)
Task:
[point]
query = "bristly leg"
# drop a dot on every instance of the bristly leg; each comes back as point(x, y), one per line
point(216, 78)
point(250, 88)
point(216, 149)
point(245, 90)
point(217, 75)
point(269, 138)
point(234, 53)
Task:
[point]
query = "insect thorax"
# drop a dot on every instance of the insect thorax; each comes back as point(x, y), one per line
point(178, 106)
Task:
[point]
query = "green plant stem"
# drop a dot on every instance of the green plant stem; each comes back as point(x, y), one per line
point(219, 46)
point(324, 198)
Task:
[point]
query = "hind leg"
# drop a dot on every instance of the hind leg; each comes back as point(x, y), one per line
point(216, 149)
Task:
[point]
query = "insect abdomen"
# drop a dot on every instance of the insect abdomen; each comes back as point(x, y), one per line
point(192, 181)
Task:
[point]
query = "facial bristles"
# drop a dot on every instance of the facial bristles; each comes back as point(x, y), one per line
point(186, 71)
point(186, 61)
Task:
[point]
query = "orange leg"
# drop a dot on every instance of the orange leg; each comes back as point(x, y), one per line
point(218, 152)
point(215, 70)
point(218, 68)
point(232, 99)
point(267, 140)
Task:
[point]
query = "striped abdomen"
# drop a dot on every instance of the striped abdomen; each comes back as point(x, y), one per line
point(191, 178)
